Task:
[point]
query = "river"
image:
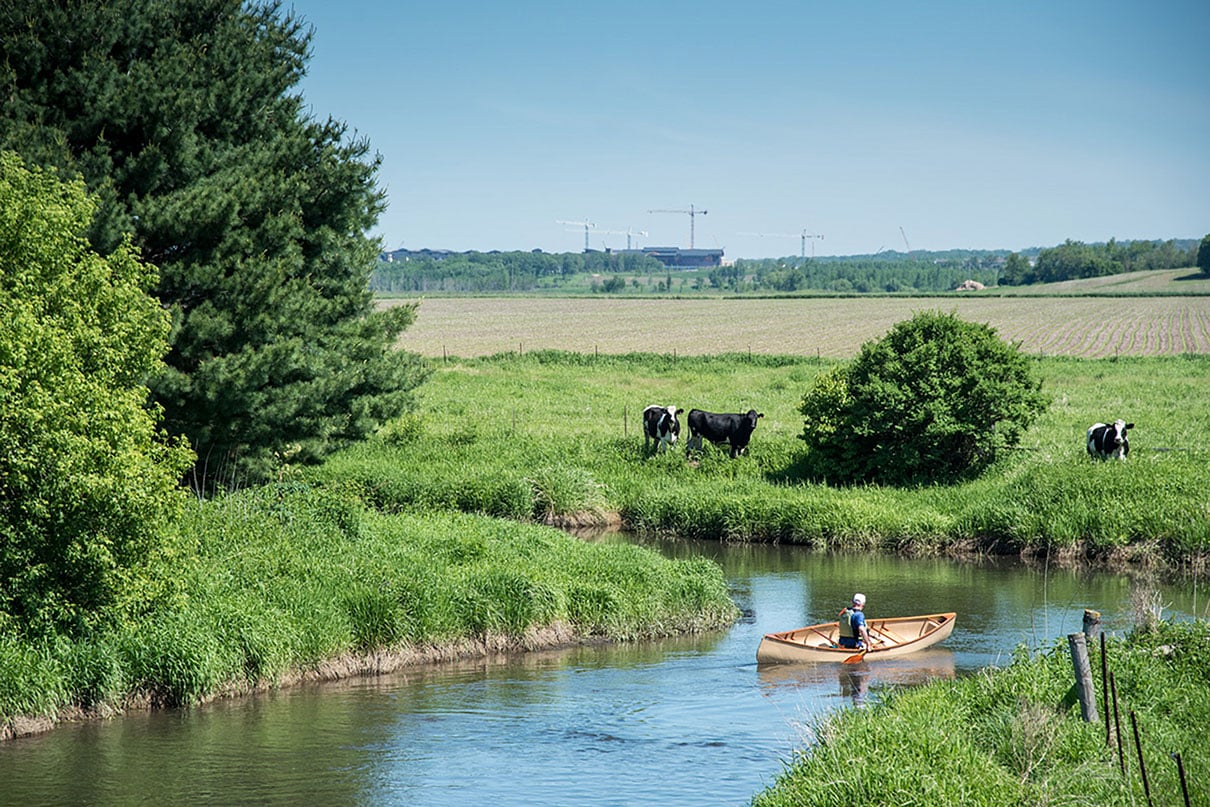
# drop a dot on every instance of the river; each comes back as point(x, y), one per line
point(688, 721)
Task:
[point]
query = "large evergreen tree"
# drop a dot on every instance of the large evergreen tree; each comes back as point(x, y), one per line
point(184, 120)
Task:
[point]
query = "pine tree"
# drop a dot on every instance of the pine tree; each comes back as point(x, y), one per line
point(185, 122)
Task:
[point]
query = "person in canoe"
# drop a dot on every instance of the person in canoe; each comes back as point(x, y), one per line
point(853, 631)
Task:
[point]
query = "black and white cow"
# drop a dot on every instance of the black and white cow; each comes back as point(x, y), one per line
point(1109, 442)
point(661, 426)
point(732, 428)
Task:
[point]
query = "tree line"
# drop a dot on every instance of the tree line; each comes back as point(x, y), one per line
point(891, 271)
point(529, 271)
point(501, 271)
point(1073, 260)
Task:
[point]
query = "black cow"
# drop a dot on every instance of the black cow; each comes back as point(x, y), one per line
point(660, 424)
point(735, 429)
point(1109, 442)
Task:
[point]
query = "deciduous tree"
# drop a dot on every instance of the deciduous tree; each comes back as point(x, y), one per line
point(185, 121)
point(87, 481)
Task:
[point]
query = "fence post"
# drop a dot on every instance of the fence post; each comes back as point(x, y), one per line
point(1138, 747)
point(1092, 623)
point(1180, 768)
point(1084, 688)
point(1105, 689)
point(1117, 721)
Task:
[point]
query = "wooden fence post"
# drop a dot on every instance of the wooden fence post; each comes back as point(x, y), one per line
point(1092, 623)
point(1084, 688)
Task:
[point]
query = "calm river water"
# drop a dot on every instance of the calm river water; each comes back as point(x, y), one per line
point(684, 722)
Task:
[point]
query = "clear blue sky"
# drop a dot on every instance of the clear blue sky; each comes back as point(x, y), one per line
point(967, 124)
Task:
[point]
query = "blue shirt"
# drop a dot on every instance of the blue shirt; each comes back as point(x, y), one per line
point(856, 620)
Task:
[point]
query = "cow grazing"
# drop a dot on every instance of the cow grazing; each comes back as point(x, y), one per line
point(661, 426)
point(735, 429)
point(1109, 442)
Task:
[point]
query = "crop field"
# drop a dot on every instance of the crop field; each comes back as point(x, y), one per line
point(1089, 327)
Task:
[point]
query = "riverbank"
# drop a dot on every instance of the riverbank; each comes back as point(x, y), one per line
point(549, 436)
point(430, 533)
point(293, 582)
point(1011, 737)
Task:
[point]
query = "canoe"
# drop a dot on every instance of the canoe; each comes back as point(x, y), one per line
point(889, 638)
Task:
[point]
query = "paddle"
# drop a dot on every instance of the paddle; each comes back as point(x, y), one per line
point(856, 657)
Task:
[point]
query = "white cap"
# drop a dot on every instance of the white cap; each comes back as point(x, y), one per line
point(859, 599)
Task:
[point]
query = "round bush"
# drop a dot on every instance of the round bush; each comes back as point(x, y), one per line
point(935, 399)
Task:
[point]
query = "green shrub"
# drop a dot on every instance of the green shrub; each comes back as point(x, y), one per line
point(935, 399)
point(88, 481)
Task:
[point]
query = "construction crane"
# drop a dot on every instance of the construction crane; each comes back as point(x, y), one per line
point(586, 224)
point(628, 232)
point(804, 235)
point(693, 213)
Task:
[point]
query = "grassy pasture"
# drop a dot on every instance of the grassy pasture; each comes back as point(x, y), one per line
point(558, 435)
point(835, 327)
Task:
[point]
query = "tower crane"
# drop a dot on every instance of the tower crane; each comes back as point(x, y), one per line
point(804, 235)
point(692, 211)
point(628, 232)
point(586, 224)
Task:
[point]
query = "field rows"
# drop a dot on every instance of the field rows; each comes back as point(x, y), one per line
point(1089, 327)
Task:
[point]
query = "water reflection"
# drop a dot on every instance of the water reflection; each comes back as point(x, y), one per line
point(686, 721)
point(856, 681)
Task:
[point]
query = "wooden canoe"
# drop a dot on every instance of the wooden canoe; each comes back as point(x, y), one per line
point(889, 638)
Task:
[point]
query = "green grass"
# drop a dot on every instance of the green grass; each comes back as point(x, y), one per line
point(275, 581)
point(1001, 737)
point(550, 435)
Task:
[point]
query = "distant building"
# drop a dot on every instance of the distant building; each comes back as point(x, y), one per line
point(410, 254)
point(677, 258)
point(672, 257)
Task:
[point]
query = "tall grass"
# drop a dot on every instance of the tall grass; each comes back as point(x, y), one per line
point(552, 435)
point(276, 581)
point(1002, 737)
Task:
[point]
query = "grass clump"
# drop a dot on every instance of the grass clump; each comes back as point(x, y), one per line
point(275, 582)
point(1001, 737)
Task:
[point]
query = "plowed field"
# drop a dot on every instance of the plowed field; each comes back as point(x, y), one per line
point(1067, 326)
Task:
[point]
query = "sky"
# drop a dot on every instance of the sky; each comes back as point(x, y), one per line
point(867, 126)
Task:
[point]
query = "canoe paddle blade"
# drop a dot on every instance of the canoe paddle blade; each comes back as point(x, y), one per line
point(856, 657)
